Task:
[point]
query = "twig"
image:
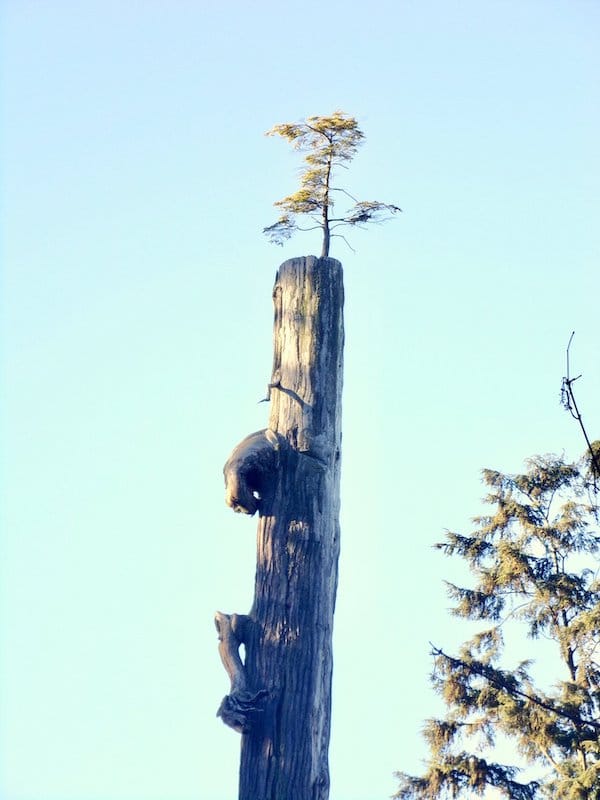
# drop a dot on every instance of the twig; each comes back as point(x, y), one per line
point(570, 404)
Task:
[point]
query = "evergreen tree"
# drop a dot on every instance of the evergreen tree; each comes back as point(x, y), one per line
point(329, 142)
point(535, 562)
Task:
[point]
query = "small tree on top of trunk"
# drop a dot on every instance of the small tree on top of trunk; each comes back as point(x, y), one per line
point(328, 142)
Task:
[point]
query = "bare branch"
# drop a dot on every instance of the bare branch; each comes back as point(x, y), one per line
point(338, 189)
point(341, 236)
point(570, 404)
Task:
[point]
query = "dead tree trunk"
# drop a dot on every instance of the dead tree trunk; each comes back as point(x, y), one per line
point(280, 696)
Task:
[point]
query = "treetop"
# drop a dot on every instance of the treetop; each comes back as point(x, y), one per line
point(328, 142)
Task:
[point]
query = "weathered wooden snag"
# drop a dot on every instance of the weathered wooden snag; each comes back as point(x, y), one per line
point(280, 696)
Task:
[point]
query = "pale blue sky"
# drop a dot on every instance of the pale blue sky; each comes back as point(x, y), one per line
point(136, 311)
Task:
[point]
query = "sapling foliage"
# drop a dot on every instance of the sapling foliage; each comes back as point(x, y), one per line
point(328, 142)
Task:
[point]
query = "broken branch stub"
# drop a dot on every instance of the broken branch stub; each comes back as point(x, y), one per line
point(238, 707)
point(250, 471)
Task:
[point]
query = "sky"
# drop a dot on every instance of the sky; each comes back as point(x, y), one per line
point(136, 344)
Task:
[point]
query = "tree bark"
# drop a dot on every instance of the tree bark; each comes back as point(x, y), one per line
point(290, 473)
point(326, 238)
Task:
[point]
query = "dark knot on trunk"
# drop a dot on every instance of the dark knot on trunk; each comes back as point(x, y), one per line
point(251, 469)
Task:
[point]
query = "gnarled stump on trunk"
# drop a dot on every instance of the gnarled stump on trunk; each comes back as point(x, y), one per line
point(290, 473)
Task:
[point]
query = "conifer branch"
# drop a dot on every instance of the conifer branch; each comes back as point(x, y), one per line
point(491, 675)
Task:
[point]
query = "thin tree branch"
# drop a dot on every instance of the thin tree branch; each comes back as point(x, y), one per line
point(341, 236)
point(570, 404)
point(338, 189)
point(486, 674)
